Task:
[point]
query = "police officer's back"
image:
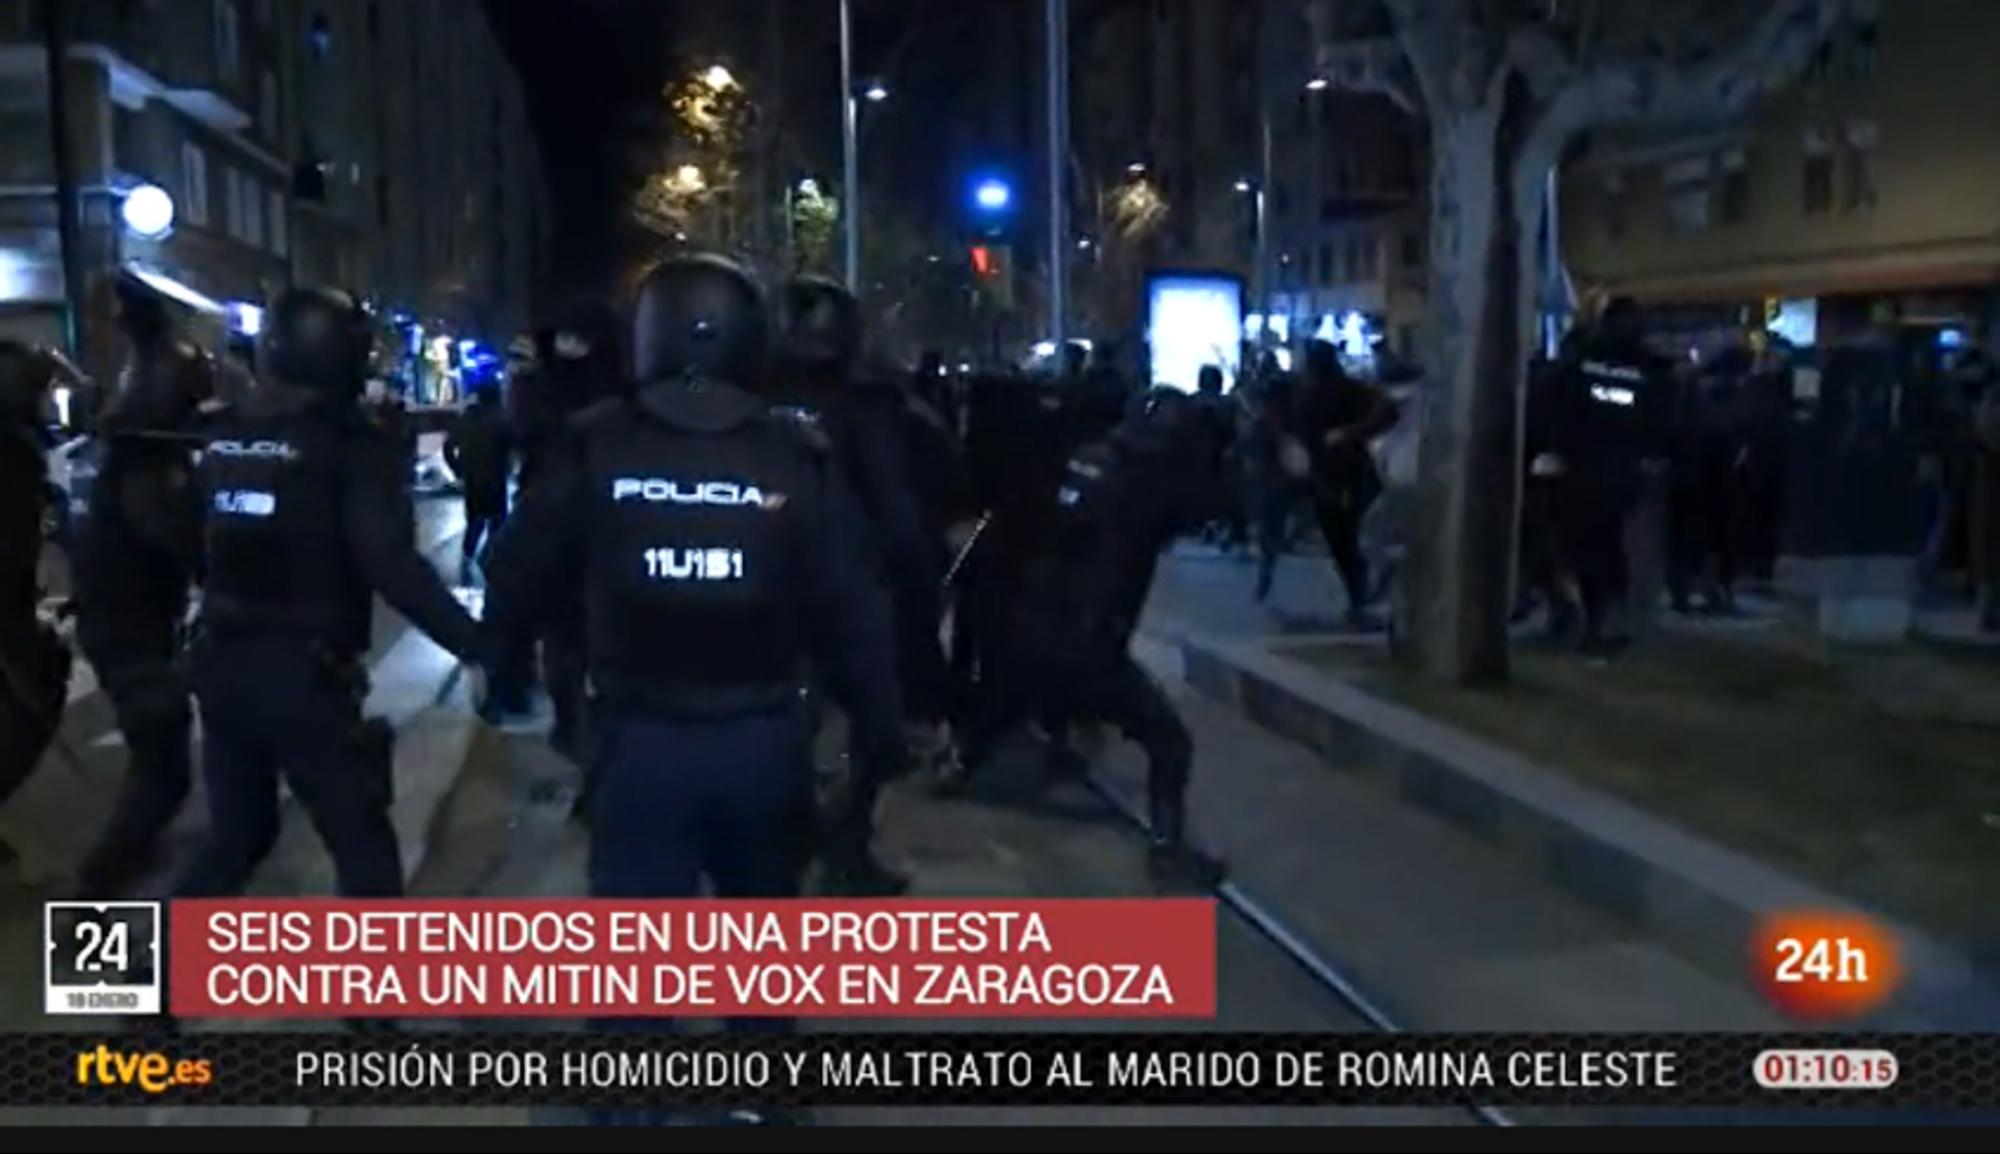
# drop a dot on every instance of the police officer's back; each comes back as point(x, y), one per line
point(307, 517)
point(1609, 413)
point(718, 554)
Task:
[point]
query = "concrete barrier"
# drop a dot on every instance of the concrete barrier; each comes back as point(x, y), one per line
point(1699, 899)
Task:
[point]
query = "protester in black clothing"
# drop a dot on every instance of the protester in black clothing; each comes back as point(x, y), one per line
point(1231, 528)
point(580, 363)
point(1337, 417)
point(1274, 487)
point(479, 450)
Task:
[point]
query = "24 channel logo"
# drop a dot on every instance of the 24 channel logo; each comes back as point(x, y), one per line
point(1825, 966)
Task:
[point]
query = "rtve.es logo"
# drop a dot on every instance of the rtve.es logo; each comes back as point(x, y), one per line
point(721, 494)
point(148, 1071)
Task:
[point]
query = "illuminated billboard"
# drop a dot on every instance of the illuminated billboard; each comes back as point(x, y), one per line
point(1192, 320)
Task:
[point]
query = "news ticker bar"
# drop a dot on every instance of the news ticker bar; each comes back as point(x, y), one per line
point(632, 1069)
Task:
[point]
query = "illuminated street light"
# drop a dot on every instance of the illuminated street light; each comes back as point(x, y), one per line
point(148, 212)
point(1243, 186)
point(719, 78)
point(875, 93)
point(1135, 169)
point(1318, 84)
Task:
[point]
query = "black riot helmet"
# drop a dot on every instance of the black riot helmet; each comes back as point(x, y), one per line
point(318, 338)
point(822, 323)
point(700, 318)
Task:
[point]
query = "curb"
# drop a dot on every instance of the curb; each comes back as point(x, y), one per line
point(1699, 899)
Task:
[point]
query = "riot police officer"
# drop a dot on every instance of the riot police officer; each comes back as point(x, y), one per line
point(133, 565)
point(1609, 416)
point(865, 422)
point(1082, 588)
point(306, 518)
point(718, 552)
point(34, 663)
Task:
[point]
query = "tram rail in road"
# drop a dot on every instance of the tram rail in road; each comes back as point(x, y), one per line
point(1324, 973)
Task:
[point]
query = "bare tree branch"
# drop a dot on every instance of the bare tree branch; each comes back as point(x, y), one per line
point(1430, 34)
point(1541, 59)
point(1371, 66)
point(1629, 87)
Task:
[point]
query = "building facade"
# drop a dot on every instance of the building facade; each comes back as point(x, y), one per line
point(1181, 97)
point(378, 146)
point(1350, 231)
point(1866, 194)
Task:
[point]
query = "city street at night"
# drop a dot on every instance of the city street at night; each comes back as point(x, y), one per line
point(1424, 564)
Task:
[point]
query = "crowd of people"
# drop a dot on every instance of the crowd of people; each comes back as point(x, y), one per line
point(1610, 423)
point(696, 529)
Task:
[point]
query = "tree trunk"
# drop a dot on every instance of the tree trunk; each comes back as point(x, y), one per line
point(1461, 542)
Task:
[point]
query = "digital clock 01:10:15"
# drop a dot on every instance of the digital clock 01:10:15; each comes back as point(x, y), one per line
point(1826, 1069)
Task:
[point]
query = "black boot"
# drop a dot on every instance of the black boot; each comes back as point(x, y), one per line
point(1169, 857)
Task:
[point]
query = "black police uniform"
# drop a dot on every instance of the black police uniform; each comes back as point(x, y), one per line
point(34, 664)
point(306, 517)
point(718, 553)
point(134, 562)
point(1608, 415)
point(866, 424)
point(1080, 595)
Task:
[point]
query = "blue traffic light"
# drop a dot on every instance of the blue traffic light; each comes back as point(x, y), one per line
point(993, 195)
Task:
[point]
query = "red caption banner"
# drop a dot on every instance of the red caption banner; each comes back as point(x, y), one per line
point(308, 958)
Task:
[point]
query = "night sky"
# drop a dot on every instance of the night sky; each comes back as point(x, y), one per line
point(579, 58)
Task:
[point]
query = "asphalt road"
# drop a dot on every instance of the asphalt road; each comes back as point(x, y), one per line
point(1437, 928)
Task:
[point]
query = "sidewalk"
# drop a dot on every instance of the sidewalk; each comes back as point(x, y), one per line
point(1871, 774)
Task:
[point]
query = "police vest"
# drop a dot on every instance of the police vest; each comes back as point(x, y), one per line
point(275, 535)
point(693, 561)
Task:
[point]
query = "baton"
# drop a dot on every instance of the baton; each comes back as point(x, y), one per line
point(965, 550)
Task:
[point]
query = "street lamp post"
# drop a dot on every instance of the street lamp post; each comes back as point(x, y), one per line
point(1058, 101)
point(851, 145)
point(1267, 165)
